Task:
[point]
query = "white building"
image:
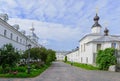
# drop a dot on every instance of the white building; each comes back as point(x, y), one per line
point(73, 56)
point(60, 55)
point(12, 34)
point(96, 40)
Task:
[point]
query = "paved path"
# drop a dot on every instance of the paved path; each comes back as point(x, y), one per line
point(63, 72)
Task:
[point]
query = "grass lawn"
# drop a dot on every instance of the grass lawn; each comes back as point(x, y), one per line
point(84, 66)
point(34, 73)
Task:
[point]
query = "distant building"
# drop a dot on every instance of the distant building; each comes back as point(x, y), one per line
point(60, 55)
point(12, 34)
point(91, 43)
point(73, 55)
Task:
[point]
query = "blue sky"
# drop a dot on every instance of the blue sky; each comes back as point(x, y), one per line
point(60, 24)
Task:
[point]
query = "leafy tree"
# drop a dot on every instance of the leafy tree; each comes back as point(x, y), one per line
point(46, 55)
point(50, 56)
point(34, 53)
point(8, 56)
point(105, 58)
point(43, 52)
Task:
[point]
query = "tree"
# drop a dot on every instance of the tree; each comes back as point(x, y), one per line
point(43, 52)
point(9, 57)
point(105, 58)
point(34, 53)
point(46, 55)
point(50, 56)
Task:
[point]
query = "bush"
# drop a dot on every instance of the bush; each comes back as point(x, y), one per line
point(65, 58)
point(1, 70)
point(36, 66)
point(19, 69)
point(105, 58)
point(7, 70)
point(9, 57)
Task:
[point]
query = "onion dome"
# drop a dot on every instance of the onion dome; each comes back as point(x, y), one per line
point(32, 29)
point(96, 24)
point(106, 31)
point(96, 18)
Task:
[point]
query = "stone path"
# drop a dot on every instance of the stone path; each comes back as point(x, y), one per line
point(63, 72)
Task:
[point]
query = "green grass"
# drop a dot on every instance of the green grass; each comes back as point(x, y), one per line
point(34, 73)
point(84, 66)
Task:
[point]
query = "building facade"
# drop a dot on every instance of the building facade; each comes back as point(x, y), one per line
point(60, 55)
point(73, 56)
point(94, 41)
point(11, 34)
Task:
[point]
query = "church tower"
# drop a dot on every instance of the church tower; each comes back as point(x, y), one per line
point(96, 28)
point(33, 36)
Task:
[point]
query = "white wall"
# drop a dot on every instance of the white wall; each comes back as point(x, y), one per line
point(96, 30)
point(22, 39)
point(86, 50)
point(73, 56)
point(60, 55)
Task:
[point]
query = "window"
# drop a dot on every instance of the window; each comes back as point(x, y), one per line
point(5, 32)
point(11, 36)
point(20, 40)
point(81, 48)
point(113, 45)
point(98, 47)
point(119, 46)
point(81, 59)
point(84, 47)
point(17, 39)
point(86, 59)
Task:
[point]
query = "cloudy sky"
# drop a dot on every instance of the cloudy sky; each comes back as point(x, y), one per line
point(60, 24)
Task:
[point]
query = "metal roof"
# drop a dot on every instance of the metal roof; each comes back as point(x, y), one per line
point(109, 38)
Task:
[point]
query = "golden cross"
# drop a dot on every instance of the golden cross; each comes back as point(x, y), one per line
point(97, 9)
point(32, 29)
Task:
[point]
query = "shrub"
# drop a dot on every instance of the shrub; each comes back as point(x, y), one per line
point(19, 69)
point(105, 58)
point(65, 58)
point(1, 70)
point(37, 66)
point(9, 57)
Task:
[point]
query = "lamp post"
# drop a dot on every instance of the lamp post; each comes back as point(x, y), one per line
point(28, 61)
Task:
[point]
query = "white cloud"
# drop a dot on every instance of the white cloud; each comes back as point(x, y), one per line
point(50, 31)
point(44, 42)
